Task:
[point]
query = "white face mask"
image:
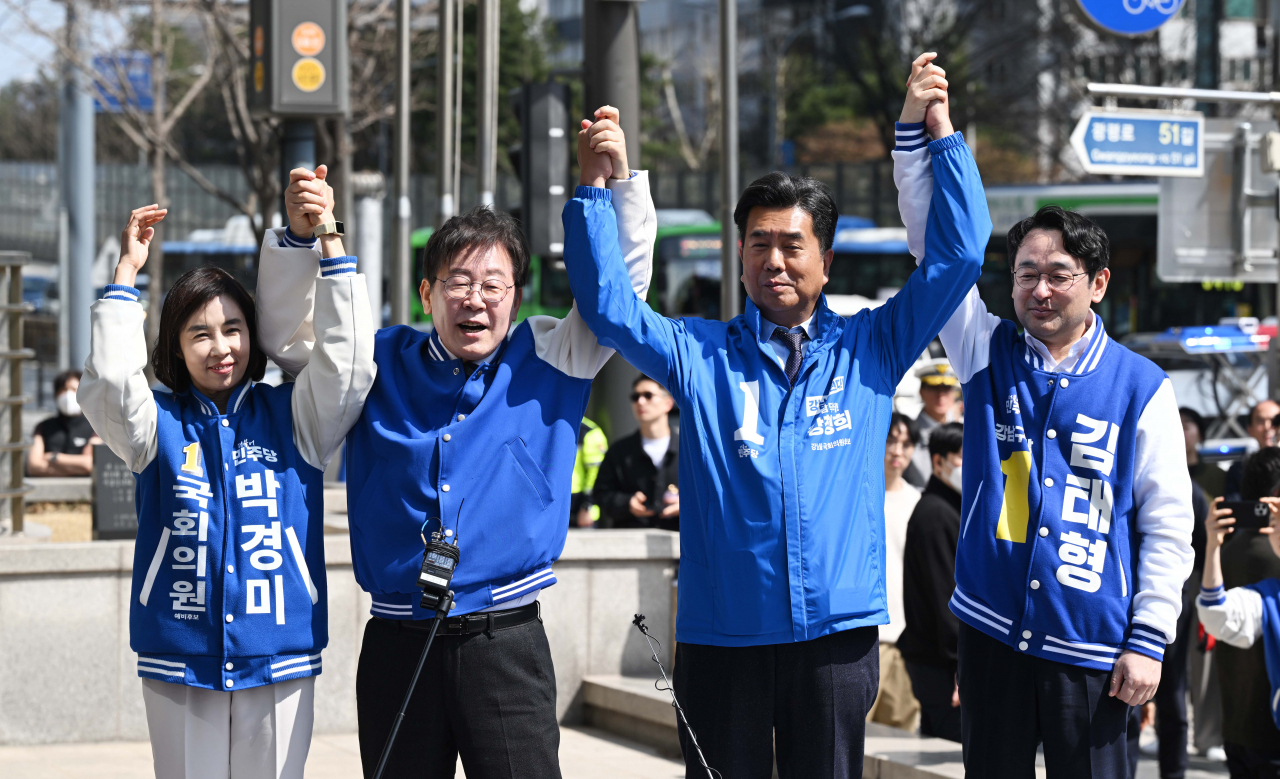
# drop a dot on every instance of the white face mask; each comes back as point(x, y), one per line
point(955, 479)
point(67, 404)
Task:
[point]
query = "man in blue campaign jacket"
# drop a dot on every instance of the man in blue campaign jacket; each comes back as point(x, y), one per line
point(472, 427)
point(1076, 534)
point(782, 495)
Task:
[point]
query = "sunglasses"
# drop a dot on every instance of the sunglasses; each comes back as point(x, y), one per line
point(635, 396)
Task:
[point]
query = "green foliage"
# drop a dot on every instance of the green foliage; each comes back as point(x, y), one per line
point(29, 119)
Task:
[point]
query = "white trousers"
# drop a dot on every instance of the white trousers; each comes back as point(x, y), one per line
point(258, 733)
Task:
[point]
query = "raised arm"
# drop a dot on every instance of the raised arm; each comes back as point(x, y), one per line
point(287, 273)
point(114, 393)
point(966, 336)
point(569, 344)
point(956, 235)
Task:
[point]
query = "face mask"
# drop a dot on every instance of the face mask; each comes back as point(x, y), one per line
point(67, 404)
point(955, 479)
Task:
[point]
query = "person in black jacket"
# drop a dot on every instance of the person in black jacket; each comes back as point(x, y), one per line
point(928, 642)
point(638, 482)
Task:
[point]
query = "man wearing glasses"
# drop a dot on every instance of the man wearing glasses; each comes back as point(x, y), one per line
point(471, 430)
point(1262, 428)
point(1076, 532)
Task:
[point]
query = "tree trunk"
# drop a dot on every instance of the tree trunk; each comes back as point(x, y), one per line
point(155, 257)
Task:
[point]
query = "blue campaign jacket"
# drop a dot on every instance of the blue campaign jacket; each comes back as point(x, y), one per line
point(228, 574)
point(1048, 553)
point(782, 491)
point(503, 440)
point(1269, 589)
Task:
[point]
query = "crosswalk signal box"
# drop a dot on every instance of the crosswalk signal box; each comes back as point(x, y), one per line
point(298, 57)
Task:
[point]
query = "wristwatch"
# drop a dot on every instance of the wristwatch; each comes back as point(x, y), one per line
point(329, 228)
point(53, 458)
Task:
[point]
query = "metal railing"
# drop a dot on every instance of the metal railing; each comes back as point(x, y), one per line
point(13, 445)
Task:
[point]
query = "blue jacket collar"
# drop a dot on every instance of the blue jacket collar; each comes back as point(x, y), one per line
point(437, 352)
point(821, 328)
point(209, 408)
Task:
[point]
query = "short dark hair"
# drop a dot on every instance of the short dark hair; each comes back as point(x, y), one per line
point(1195, 418)
point(190, 294)
point(782, 190)
point(480, 228)
point(1261, 476)
point(642, 377)
point(913, 430)
point(946, 439)
point(1081, 237)
point(60, 381)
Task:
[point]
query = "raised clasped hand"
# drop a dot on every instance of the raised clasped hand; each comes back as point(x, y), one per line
point(602, 149)
point(308, 200)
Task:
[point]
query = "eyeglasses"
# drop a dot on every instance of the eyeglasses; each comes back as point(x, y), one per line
point(492, 290)
point(1059, 281)
point(635, 396)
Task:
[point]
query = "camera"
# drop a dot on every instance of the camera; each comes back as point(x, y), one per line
point(439, 561)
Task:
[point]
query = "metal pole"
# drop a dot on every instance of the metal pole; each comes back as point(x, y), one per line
point(17, 447)
point(1175, 93)
point(369, 189)
point(78, 194)
point(611, 66)
point(444, 109)
point(401, 262)
point(297, 149)
point(487, 31)
point(730, 299)
point(459, 37)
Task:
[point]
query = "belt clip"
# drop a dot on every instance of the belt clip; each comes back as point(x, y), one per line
point(488, 629)
point(538, 603)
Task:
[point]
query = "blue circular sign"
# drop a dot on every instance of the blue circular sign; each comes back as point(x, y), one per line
point(1130, 17)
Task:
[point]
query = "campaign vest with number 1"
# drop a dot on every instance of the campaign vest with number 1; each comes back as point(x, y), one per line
point(228, 574)
point(1048, 550)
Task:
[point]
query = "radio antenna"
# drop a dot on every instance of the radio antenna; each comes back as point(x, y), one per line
point(457, 522)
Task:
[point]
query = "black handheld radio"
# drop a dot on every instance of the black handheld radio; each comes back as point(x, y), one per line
point(439, 561)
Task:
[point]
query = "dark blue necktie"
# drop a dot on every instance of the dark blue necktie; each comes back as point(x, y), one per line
point(795, 343)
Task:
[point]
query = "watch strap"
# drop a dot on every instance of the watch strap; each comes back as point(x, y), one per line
point(330, 228)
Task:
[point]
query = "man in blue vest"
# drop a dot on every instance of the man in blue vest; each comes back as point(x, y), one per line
point(786, 410)
point(1076, 537)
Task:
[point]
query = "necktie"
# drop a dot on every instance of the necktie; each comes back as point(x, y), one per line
point(795, 343)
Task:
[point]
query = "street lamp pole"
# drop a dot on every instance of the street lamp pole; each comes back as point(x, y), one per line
point(730, 297)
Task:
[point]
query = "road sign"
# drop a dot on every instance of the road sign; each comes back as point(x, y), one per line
point(1205, 234)
point(1129, 17)
point(1140, 143)
point(126, 75)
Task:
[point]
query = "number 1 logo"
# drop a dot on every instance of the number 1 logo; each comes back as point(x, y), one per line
point(750, 414)
point(1012, 525)
point(191, 463)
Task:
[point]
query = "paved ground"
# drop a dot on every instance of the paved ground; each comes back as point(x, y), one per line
point(584, 754)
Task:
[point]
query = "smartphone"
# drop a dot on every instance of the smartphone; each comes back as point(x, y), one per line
point(1249, 514)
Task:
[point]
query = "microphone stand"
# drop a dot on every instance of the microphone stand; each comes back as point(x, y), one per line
point(442, 610)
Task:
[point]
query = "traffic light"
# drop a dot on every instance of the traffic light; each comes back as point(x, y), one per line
point(298, 53)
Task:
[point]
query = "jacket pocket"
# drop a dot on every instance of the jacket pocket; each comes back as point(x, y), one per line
point(536, 478)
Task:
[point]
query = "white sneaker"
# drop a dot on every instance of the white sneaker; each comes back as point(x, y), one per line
point(1216, 754)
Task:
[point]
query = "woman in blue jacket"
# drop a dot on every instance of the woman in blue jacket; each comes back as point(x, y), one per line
point(227, 611)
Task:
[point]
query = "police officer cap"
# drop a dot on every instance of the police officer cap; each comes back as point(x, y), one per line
point(937, 373)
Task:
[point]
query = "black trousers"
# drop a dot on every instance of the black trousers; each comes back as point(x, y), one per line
point(1014, 701)
point(1171, 699)
point(492, 700)
point(811, 697)
point(1249, 763)
point(932, 686)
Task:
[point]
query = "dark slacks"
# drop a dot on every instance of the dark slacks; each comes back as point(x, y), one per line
point(811, 697)
point(1014, 701)
point(932, 686)
point(1171, 698)
point(492, 700)
point(1248, 763)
